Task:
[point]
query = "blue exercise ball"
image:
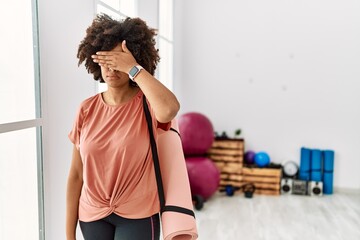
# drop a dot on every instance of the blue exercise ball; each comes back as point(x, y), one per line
point(262, 159)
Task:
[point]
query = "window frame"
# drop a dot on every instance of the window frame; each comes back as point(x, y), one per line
point(169, 40)
point(36, 123)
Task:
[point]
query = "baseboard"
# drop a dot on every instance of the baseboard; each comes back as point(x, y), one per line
point(346, 190)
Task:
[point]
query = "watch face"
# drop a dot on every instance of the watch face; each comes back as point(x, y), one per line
point(290, 169)
point(133, 71)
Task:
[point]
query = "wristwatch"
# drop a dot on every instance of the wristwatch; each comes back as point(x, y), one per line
point(134, 71)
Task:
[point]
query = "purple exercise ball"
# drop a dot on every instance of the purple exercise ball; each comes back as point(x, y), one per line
point(204, 176)
point(197, 133)
point(249, 157)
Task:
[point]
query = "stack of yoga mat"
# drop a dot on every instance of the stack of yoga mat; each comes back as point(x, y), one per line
point(317, 165)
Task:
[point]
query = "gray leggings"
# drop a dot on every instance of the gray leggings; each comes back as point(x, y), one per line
point(114, 227)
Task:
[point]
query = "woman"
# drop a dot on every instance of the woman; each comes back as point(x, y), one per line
point(111, 186)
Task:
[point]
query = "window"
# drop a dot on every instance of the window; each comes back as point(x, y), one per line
point(120, 9)
point(21, 182)
point(117, 8)
point(166, 43)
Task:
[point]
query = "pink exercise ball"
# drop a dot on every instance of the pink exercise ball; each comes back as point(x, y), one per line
point(204, 176)
point(197, 133)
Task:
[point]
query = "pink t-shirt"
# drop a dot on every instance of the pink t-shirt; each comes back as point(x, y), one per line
point(118, 169)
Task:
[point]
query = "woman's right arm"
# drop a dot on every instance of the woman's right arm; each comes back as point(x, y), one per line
point(74, 185)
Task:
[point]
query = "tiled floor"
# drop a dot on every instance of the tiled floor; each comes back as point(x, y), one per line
point(290, 217)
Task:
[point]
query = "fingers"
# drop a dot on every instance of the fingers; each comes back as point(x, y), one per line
point(105, 63)
point(103, 53)
point(111, 67)
point(118, 58)
point(108, 59)
point(103, 59)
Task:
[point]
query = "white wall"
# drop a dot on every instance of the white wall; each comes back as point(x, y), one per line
point(62, 27)
point(280, 57)
point(285, 72)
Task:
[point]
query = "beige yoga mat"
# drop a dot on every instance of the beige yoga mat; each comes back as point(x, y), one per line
point(176, 187)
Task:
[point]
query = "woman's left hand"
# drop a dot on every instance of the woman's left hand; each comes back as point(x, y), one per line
point(119, 59)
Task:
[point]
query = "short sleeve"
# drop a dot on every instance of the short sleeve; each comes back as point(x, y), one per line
point(74, 134)
point(164, 126)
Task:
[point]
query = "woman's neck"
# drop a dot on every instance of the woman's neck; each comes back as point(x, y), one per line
point(117, 96)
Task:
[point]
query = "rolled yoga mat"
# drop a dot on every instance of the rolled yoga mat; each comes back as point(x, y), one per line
point(176, 186)
point(305, 159)
point(316, 165)
point(328, 160)
point(305, 176)
point(316, 176)
point(328, 177)
point(316, 160)
point(305, 164)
